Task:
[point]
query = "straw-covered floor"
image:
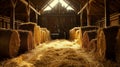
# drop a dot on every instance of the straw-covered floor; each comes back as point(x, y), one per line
point(57, 53)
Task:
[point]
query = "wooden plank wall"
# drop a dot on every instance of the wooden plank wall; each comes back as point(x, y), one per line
point(59, 20)
point(114, 20)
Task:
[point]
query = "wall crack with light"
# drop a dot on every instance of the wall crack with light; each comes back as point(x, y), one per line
point(55, 2)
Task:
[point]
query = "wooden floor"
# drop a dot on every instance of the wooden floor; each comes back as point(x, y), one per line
point(57, 53)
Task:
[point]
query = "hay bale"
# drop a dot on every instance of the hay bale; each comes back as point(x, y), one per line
point(79, 33)
point(87, 37)
point(118, 47)
point(37, 35)
point(9, 43)
point(30, 27)
point(26, 41)
point(72, 32)
point(106, 42)
point(92, 47)
point(45, 34)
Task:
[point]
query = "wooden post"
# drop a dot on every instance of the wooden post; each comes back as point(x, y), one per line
point(12, 16)
point(2, 23)
point(36, 18)
point(81, 18)
point(28, 12)
point(88, 14)
point(107, 13)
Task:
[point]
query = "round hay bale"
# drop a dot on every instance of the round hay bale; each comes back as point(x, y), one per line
point(9, 43)
point(46, 34)
point(30, 27)
point(106, 42)
point(92, 47)
point(72, 32)
point(87, 37)
point(37, 35)
point(41, 36)
point(79, 33)
point(118, 48)
point(26, 41)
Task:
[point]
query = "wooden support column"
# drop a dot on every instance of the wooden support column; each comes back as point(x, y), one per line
point(107, 13)
point(12, 16)
point(88, 14)
point(36, 18)
point(2, 23)
point(28, 12)
point(81, 18)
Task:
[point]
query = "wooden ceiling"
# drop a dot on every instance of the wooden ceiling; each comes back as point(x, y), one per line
point(96, 6)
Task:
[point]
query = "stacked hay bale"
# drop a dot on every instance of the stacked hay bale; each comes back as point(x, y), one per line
point(37, 35)
point(87, 37)
point(26, 41)
point(78, 34)
point(33, 28)
point(45, 34)
point(9, 43)
point(106, 43)
point(72, 32)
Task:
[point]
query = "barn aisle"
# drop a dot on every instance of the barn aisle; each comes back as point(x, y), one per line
point(57, 53)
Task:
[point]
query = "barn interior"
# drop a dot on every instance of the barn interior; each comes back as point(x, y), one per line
point(59, 33)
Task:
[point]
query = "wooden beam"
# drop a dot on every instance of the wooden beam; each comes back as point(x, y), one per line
point(107, 13)
point(26, 3)
point(81, 18)
point(12, 16)
point(88, 14)
point(85, 6)
point(36, 17)
point(28, 12)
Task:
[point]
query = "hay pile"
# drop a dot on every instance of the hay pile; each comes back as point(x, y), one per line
point(58, 53)
point(9, 43)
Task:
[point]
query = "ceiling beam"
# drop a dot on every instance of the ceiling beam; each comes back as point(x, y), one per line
point(26, 3)
point(85, 6)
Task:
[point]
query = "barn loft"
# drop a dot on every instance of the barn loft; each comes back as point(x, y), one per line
point(59, 33)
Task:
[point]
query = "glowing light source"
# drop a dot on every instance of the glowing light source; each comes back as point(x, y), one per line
point(47, 8)
point(64, 4)
point(55, 2)
point(69, 8)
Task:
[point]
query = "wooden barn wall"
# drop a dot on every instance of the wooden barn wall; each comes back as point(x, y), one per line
point(114, 20)
point(59, 23)
point(59, 20)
